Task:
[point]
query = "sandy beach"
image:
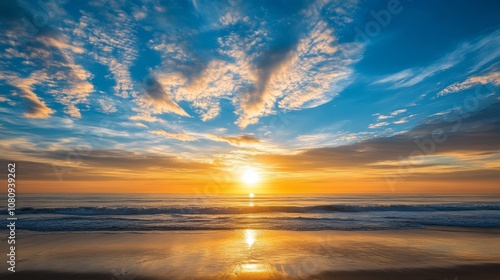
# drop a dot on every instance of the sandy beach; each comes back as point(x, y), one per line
point(435, 253)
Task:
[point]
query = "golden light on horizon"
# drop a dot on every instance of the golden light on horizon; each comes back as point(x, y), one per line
point(250, 176)
point(251, 195)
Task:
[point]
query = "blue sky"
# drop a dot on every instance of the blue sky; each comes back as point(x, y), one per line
point(223, 82)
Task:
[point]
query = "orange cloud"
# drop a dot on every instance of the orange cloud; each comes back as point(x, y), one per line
point(181, 136)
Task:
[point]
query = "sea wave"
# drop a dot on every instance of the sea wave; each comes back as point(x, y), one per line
point(85, 211)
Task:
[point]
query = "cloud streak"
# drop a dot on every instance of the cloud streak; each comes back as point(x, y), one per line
point(181, 136)
point(491, 78)
point(477, 48)
point(234, 140)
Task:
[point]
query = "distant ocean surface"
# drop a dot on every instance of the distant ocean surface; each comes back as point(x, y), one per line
point(79, 212)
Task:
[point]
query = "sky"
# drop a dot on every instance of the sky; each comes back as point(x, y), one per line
point(312, 96)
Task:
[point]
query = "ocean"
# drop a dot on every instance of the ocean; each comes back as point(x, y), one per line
point(166, 212)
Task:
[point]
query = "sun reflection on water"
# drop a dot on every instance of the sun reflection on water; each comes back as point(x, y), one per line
point(252, 265)
point(250, 236)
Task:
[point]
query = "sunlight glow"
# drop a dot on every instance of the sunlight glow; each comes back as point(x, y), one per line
point(251, 195)
point(250, 237)
point(250, 176)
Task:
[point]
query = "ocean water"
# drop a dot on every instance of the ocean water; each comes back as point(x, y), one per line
point(161, 212)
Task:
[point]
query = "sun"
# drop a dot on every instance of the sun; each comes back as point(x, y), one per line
point(250, 176)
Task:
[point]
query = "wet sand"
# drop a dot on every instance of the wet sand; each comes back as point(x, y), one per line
point(438, 253)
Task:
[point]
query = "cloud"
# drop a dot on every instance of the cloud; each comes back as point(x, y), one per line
point(141, 125)
point(7, 100)
point(401, 121)
point(36, 108)
point(203, 91)
point(397, 112)
point(294, 64)
point(145, 118)
point(234, 140)
point(327, 138)
point(49, 65)
point(158, 101)
point(413, 76)
point(103, 165)
point(480, 49)
point(380, 124)
point(110, 34)
point(393, 114)
point(297, 74)
point(65, 72)
point(465, 139)
point(181, 136)
point(490, 78)
point(107, 105)
point(315, 138)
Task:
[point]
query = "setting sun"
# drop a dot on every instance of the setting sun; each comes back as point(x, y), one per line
point(250, 176)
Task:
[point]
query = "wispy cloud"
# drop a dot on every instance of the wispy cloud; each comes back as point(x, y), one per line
point(181, 136)
point(36, 107)
point(391, 115)
point(113, 41)
point(7, 100)
point(377, 125)
point(234, 140)
point(141, 125)
point(107, 105)
point(145, 118)
point(401, 121)
point(412, 76)
point(490, 78)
